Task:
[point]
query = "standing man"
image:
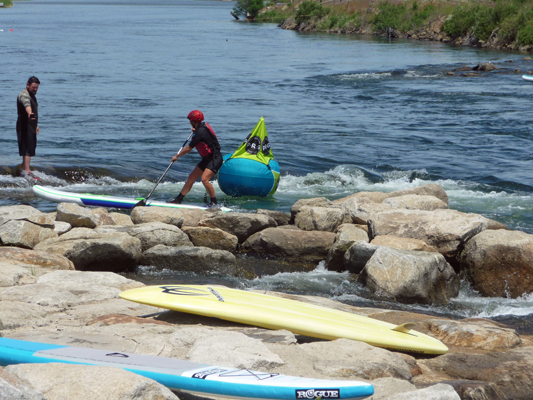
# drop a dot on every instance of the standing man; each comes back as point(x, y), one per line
point(206, 143)
point(27, 128)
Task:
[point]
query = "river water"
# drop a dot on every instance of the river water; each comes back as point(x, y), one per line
point(343, 113)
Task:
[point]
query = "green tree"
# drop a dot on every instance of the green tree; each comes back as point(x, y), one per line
point(248, 7)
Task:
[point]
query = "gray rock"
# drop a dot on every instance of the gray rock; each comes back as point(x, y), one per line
point(151, 234)
point(345, 237)
point(20, 212)
point(201, 260)
point(410, 276)
point(446, 230)
point(242, 225)
point(58, 381)
point(316, 202)
point(474, 333)
point(213, 238)
point(440, 391)
point(499, 263)
point(415, 202)
point(402, 243)
point(19, 392)
point(172, 216)
point(82, 217)
point(21, 233)
point(319, 218)
point(94, 251)
point(296, 245)
point(280, 217)
point(358, 255)
point(33, 258)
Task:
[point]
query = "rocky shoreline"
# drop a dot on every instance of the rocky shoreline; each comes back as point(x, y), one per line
point(431, 32)
point(60, 280)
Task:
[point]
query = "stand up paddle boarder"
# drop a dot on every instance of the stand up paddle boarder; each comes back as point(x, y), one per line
point(27, 127)
point(206, 143)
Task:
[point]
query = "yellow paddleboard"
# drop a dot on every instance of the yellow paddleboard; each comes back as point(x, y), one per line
point(277, 313)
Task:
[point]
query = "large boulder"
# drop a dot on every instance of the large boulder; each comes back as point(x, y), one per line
point(21, 212)
point(21, 233)
point(242, 225)
point(345, 237)
point(95, 251)
point(446, 230)
point(82, 217)
point(410, 276)
point(293, 244)
point(201, 260)
point(357, 255)
point(214, 238)
point(415, 202)
point(280, 217)
point(315, 202)
point(319, 218)
point(499, 263)
point(151, 234)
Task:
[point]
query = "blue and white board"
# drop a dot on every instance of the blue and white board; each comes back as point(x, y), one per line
point(528, 77)
point(100, 200)
point(189, 376)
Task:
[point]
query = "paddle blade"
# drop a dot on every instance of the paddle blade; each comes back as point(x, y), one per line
point(141, 203)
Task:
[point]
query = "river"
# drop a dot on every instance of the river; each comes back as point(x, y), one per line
point(343, 113)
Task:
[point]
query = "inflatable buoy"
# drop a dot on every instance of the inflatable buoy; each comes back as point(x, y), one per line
point(251, 170)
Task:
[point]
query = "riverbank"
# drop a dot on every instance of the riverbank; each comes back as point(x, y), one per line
point(506, 25)
point(60, 280)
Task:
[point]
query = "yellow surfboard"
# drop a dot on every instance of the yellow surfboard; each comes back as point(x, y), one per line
point(277, 313)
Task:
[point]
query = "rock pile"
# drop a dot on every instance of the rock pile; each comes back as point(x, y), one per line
point(58, 284)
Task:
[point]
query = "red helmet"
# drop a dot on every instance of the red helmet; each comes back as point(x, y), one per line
point(195, 116)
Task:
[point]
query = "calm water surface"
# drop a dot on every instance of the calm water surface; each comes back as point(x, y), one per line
point(344, 114)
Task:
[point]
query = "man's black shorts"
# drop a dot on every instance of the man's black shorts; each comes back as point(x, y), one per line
point(213, 163)
point(27, 143)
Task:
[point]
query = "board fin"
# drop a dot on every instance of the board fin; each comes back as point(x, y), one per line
point(404, 328)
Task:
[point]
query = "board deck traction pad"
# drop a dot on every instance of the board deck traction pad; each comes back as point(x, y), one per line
point(101, 200)
point(274, 312)
point(189, 376)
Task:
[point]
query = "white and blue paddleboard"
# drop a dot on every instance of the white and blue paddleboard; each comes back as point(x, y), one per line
point(100, 200)
point(189, 376)
point(528, 77)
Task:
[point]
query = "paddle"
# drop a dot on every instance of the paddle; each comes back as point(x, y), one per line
point(143, 201)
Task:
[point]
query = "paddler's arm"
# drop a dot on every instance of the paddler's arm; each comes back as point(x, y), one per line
point(184, 151)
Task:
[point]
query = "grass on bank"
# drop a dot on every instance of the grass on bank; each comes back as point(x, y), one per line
point(506, 20)
point(7, 3)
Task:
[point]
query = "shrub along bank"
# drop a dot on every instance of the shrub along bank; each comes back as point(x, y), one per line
point(495, 23)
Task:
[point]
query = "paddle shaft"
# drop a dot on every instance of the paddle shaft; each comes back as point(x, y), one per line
point(170, 165)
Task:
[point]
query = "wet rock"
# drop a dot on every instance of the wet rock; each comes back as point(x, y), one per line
point(410, 276)
point(298, 245)
point(345, 237)
point(357, 256)
point(485, 67)
point(499, 263)
point(201, 260)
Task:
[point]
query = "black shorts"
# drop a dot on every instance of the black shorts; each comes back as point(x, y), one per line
point(27, 143)
point(213, 163)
